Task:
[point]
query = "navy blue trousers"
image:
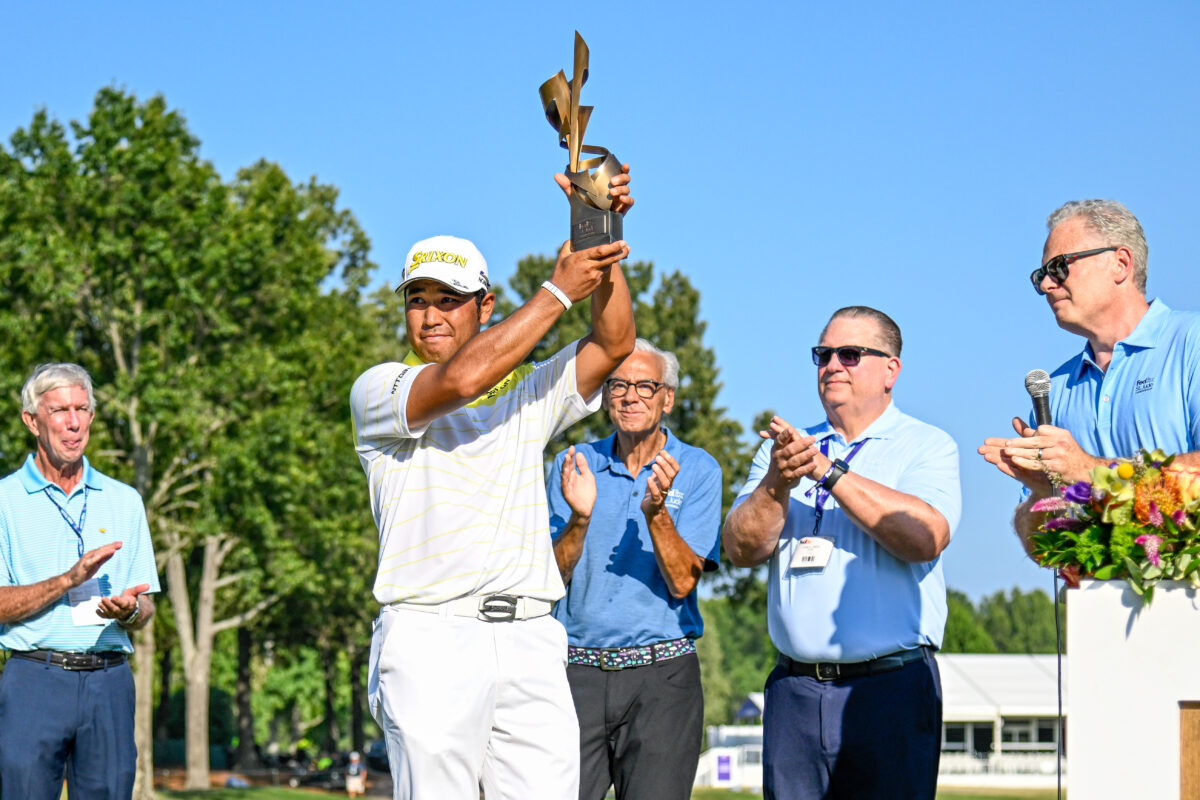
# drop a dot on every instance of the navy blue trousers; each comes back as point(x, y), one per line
point(877, 737)
point(52, 719)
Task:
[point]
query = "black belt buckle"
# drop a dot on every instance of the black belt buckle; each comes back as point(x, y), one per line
point(606, 664)
point(498, 608)
point(827, 672)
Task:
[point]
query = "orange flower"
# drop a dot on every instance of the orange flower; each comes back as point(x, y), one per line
point(1164, 492)
point(1188, 479)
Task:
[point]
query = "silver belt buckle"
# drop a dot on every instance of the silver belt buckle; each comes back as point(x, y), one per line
point(498, 608)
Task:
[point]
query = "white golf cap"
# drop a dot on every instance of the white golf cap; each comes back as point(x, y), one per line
point(455, 262)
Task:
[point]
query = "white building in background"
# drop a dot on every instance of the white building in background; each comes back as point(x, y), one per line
point(999, 727)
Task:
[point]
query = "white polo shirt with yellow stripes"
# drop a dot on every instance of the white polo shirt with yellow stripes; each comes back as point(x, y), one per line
point(461, 503)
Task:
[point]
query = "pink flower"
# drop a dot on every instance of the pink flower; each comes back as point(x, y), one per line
point(1051, 504)
point(1179, 518)
point(1156, 517)
point(1150, 543)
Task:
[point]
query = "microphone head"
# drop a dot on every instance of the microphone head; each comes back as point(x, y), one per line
point(1037, 383)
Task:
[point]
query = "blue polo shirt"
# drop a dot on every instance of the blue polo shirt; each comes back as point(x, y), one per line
point(1149, 396)
point(37, 543)
point(617, 596)
point(865, 602)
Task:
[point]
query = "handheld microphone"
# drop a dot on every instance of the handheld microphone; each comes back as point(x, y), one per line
point(1037, 383)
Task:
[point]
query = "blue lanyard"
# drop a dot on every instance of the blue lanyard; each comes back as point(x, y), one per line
point(823, 494)
point(76, 527)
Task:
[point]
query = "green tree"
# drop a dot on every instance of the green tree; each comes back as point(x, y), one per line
point(197, 307)
point(964, 630)
point(739, 629)
point(1022, 622)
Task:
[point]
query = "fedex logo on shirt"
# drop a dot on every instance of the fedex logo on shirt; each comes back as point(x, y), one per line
point(1143, 385)
point(674, 499)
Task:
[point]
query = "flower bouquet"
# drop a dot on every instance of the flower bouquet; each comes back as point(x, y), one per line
point(1136, 519)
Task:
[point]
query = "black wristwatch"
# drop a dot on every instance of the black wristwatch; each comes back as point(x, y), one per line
point(838, 469)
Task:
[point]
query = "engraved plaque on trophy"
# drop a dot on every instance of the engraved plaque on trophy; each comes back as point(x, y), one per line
point(593, 221)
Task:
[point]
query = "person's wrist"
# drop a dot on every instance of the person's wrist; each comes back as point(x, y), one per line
point(553, 288)
point(133, 615)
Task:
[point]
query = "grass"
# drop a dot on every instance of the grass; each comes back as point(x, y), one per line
point(271, 793)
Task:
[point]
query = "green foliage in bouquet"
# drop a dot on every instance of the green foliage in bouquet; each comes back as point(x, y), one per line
point(1136, 519)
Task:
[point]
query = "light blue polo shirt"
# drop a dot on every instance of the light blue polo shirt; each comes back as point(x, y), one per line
point(617, 596)
point(1149, 396)
point(865, 602)
point(36, 543)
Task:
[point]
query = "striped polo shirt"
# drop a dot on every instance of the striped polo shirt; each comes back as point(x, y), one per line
point(37, 543)
point(461, 503)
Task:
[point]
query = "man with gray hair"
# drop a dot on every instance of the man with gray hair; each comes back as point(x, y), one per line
point(635, 520)
point(1136, 383)
point(76, 567)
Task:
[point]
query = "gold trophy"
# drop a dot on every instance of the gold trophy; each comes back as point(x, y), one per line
point(593, 221)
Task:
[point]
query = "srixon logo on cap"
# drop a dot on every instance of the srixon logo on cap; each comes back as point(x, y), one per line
point(443, 256)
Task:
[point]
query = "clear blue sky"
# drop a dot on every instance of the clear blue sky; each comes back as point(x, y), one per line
point(791, 158)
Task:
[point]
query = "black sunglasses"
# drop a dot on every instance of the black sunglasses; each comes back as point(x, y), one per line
point(849, 355)
point(1056, 267)
point(644, 389)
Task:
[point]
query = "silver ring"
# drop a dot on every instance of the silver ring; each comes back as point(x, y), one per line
point(1039, 455)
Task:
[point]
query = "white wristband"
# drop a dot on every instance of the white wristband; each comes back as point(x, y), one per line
point(559, 293)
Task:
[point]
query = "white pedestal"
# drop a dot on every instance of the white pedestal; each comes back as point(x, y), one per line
point(1130, 667)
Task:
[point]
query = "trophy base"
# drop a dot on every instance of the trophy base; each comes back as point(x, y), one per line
point(592, 226)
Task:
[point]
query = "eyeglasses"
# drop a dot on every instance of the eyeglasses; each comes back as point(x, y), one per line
point(644, 389)
point(1056, 267)
point(849, 355)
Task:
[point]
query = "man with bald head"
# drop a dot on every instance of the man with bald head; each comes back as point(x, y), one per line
point(852, 515)
point(1135, 384)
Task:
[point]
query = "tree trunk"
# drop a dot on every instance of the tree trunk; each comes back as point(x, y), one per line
point(196, 725)
point(247, 755)
point(358, 697)
point(294, 729)
point(162, 715)
point(332, 733)
point(143, 721)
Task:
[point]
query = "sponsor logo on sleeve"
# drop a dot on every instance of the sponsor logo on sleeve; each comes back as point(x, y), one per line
point(674, 499)
point(399, 377)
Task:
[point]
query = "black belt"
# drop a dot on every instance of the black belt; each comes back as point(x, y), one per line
point(72, 661)
point(833, 670)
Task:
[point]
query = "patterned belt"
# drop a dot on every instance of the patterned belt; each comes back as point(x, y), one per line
point(72, 661)
point(834, 670)
point(613, 658)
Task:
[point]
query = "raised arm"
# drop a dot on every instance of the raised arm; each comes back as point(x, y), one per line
point(491, 354)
